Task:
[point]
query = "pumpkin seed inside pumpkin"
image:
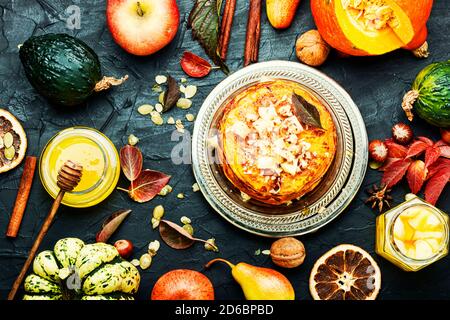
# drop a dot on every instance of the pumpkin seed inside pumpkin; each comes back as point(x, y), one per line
point(10, 152)
point(8, 140)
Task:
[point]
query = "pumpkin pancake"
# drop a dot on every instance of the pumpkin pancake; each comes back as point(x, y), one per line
point(276, 141)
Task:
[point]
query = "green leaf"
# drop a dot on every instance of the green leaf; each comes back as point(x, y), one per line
point(204, 22)
point(306, 112)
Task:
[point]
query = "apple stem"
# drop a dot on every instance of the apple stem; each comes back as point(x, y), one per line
point(219, 260)
point(139, 9)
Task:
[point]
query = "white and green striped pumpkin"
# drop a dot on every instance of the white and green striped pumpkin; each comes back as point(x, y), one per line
point(75, 270)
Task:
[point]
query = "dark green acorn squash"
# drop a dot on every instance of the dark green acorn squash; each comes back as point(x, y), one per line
point(430, 95)
point(63, 69)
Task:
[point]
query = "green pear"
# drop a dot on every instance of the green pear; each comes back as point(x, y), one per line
point(259, 283)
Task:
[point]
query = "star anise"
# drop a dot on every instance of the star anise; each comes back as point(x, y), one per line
point(379, 197)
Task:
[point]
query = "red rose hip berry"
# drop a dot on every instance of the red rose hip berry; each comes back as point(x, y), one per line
point(125, 248)
point(445, 135)
point(378, 151)
point(402, 133)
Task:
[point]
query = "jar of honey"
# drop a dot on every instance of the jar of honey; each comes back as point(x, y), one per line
point(412, 235)
point(95, 152)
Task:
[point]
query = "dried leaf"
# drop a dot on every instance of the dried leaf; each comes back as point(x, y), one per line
point(111, 224)
point(416, 175)
point(204, 22)
point(436, 184)
point(131, 161)
point(147, 185)
point(416, 148)
point(395, 150)
point(396, 172)
point(306, 112)
point(431, 155)
point(194, 66)
point(171, 95)
point(178, 238)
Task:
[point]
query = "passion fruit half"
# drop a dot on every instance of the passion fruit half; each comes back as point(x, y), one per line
point(346, 272)
point(13, 141)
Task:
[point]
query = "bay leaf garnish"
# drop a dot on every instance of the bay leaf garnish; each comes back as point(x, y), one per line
point(306, 112)
point(172, 94)
point(178, 238)
point(204, 22)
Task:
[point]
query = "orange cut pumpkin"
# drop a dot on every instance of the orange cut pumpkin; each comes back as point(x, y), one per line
point(372, 27)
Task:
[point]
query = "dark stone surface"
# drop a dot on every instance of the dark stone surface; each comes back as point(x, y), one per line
point(376, 84)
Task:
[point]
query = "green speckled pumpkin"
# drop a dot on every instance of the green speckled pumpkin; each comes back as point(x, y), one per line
point(430, 95)
point(74, 270)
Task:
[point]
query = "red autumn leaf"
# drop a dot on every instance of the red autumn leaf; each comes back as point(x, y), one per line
point(388, 163)
point(131, 161)
point(436, 184)
point(147, 185)
point(441, 163)
point(426, 140)
point(441, 143)
point(111, 224)
point(416, 175)
point(445, 151)
point(194, 66)
point(416, 148)
point(395, 150)
point(431, 155)
point(396, 172)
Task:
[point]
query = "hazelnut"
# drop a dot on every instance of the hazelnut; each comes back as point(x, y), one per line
point(311, 48)
point(287, 252)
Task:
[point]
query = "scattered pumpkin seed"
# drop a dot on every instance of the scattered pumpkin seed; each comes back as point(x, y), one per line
point(145, 109)
point(161, 97)
point(189, 229)
point(135, 262)
point(210, 245)
point(153, 247)
point(190, 117)
point(132, 140)
point(257, 252)
point(155, 223)
point(266, 252)
point(8, 140)
point(158, 212)
point(182, 88)
point(180, 196)
point(145, 261)
point(157, 88)
point(166, 189)
point(160, 79)
point(171, 120)
point(155, 114)
point(179, 125)
point(195, 187)
point(183, 80)
point(159, 107)
point(190, 91)
point(184, 103)
point(157, 119)
point(10, 152)
point(2, 144)
point(185, 220)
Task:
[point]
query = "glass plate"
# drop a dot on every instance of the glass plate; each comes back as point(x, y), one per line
point(327, 200)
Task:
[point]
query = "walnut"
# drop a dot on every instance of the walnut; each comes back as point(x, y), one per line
point(287, 252)
point(311, 48)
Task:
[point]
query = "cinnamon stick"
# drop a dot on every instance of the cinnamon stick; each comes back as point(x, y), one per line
point(253, 33)
point(225, 29)
point(22, 197)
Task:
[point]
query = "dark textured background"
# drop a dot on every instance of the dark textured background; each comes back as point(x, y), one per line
point(376, 84)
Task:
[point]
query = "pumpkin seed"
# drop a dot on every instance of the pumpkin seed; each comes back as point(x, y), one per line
point(190, 117)
point(185, 220)
point(179, 125)
point(159, 107)
point(1, 143)
point(158, 212)
point(182, 88)
point(183, 80)
point(195, 187)
point(165, 190)
point(257, 252)
point(266, 252)
point(184, 103)
point(210, 245)
point(153, 247)
point(145, 109)
point(158, 120)
point(160, 79)
point(171, 120)
point(161, 97)
point(155, 223)
point(132, 140)
point(190, 91)
point(180, 196)
point(10, 152)
point(8, 140)
point(135, 262)
point(157, 88)
point(145, 261)
point(189, 229)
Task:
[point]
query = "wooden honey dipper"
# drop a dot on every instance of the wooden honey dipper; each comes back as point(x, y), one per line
point(68, 178)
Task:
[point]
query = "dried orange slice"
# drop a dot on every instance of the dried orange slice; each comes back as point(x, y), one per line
point(346, 272)
point(13, 141)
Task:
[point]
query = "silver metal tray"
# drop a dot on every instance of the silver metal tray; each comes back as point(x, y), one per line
point(315, 209)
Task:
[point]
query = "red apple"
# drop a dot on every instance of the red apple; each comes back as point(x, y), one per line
point(183, 284)
point(142, 27)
